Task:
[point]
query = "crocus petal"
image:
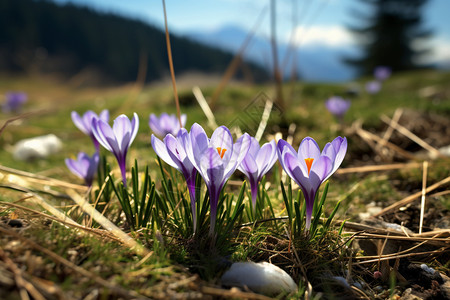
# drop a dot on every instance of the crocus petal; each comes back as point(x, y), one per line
point(249, 167)
point(161, 150)
point(77, 120)
point(122, 130)
point(211, 167)
point(254, 147)
point(266, 158)
point(340, 147)
point(104, 115)
point(154, 125)
point(296, 171)
point(239, 151)
point(134, 127)
point(222, 140)
point(283, 146)
point(308, 149)
point(198, 143)
point(105, 136)
point(319, 171)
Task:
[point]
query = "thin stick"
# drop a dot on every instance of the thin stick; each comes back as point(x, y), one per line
point(422, 200)
point(205, 107)
point(403, 130)
point(56, 258)
point(23, 285)
point(368, 135)
point(276, 71)
point(107, 224)
point(374, 168)
point(99, 232)
point(237, 59)
point(387, 134)
point(172, 72)
point(411, 197)
point(264, 119)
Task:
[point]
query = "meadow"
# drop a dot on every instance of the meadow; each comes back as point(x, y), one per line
point(55, 245)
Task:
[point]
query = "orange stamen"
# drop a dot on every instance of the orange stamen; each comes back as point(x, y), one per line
point(309, 162)
point(221, 151)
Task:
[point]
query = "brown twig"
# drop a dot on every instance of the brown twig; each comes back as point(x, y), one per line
point(369, 137)
point(23, 285)
point(99, 232)
point(374, 168)
point(422, 200)
point(412, 197)
point(403, 130)
point(237, 59)
point(172, 72)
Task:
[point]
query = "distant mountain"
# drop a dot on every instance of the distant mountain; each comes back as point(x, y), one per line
point(314, 63)
point(66, 39)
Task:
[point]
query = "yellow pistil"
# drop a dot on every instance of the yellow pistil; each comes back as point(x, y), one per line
point(221, 151)
point(309, 162)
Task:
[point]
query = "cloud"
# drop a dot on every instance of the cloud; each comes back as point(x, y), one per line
point(331, 36)
point(441, 51)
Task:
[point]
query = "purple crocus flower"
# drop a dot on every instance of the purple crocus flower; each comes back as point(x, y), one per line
point(382, 73)
point(257, 162)
point(118, 138)
point(373, 87)
point(166, 124)
point(84, 166)
point(14, 101)
point(84, 123)
point(215, 159)
point(309, 167)
point(172, 150)
point(337, 106)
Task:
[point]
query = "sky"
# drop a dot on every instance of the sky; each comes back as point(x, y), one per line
point(318, 22)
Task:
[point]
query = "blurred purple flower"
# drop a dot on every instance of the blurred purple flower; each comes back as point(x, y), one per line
point(172, 150)
point(118, 138)
point(84, 123)
point(84, 166)
point(373, 87)
point(166, 124)
point(309, 168)
point(257, 162)
point(382, 73)
point(215, 159)
point(14, 101)
point(337, 106)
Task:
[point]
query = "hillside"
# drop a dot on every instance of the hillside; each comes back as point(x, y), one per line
point(65, 39)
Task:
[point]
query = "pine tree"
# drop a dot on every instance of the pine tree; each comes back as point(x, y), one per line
point(389, 36)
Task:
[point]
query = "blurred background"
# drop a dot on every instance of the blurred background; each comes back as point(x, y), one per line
point(110, 41)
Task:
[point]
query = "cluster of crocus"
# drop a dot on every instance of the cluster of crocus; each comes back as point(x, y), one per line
point(337, 106)
point(116, 140)
point(309, 167)
point(166, 124)
point(14, 102)
point(381, 73)
point(216, 159)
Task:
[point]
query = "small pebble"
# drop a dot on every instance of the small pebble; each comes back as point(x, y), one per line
point(263, 278)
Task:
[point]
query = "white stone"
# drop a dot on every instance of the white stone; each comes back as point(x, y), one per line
point(263, 278)
point(37, 147)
